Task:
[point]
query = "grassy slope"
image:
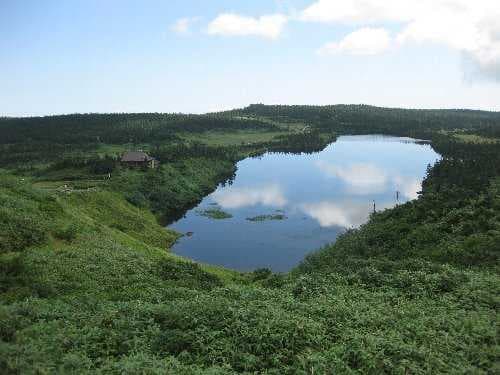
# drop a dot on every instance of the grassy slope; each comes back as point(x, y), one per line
point(104, 300)
point(172, 188)
point(220, 138)
point(472, 138)
point(87, 286)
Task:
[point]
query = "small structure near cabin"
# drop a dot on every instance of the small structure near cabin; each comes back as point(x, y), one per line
point(138, 159)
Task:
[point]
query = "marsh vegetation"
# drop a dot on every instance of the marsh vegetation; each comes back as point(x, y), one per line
point(260, 218)
point(214, 213)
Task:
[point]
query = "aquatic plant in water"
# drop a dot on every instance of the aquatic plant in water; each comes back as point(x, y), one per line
point(214, 213)
point(267, 217)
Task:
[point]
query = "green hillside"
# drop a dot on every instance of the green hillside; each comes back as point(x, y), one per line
point(88, 285)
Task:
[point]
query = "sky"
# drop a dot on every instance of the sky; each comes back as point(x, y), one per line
point(197, 56)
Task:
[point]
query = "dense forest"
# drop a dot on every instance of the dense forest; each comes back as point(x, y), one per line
point(364, 118)
point(25, 140)
point(115, 128)
point(87, 284)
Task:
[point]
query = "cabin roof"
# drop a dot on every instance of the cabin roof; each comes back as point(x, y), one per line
point(136, 156)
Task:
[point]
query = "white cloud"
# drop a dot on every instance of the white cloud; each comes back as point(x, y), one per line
point(358, 11)
point(183, 25)
point(468, 26)
point(365, 41)
point(269, 195)
point(230, 24)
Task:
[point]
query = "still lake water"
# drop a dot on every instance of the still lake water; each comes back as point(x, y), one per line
point(320, 195)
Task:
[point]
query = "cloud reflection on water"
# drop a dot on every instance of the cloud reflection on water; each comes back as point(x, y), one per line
point(238, 197)
point(362, 178)
point(330, 214)
point(343, 214)
point(407, 186)
point(368, 178)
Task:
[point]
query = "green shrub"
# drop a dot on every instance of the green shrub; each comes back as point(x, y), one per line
point(187, 274)
point(137, 199)
point(13, 280)
point(274, 281)
point(370, 276)
point(68, 233)
point(19, 230)
point(260, 274)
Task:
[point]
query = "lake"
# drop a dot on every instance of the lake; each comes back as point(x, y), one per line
point(280, 207)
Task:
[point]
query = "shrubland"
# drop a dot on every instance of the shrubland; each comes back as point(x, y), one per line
point(87, 284)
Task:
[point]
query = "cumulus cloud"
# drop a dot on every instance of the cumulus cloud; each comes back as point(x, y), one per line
point(183, 25)
point(268, 195)
point(365, 41)
point(230, 24)
point(470, 27)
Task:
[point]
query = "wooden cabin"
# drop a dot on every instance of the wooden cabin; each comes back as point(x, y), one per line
point(138, 159)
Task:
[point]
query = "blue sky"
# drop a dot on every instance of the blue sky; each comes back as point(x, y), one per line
point(198, 56)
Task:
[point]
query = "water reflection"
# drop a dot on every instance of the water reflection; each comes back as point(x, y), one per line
point(369, 178)
point(234, 197)
point(304, 201)
point(408, 187)
point(350, 214)
point(330, 214)
point(360, 178)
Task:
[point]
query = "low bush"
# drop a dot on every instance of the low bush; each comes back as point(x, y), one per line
point(22, 223)
point(187, 274)
point(67, 233)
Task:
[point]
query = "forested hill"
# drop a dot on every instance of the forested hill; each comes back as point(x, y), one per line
point(115, 128)
point(365, 118)
point(148, 127)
